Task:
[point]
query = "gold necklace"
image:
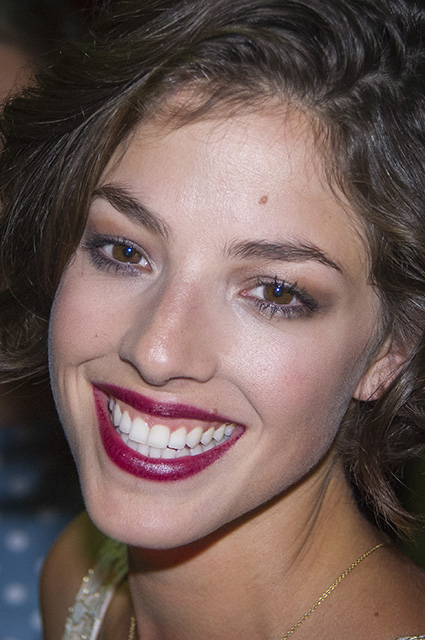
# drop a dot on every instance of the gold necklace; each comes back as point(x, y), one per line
point(329, 590)
point(132, 630)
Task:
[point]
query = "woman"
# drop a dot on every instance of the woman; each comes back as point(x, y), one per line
point(216, 210)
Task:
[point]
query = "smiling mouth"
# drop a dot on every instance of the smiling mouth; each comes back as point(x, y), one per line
point(160, 441)
point(157, 440)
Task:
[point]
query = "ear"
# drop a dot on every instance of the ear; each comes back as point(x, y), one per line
point(381, 372)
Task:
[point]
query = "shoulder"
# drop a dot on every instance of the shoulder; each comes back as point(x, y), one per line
point(67, 563)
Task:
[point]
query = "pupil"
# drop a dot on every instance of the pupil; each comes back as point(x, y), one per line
point(277, 291)
point(128, 252)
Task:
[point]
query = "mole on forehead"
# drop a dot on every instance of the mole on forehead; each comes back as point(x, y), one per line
point(263, 199)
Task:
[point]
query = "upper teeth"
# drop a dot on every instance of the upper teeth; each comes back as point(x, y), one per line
point(158, 441)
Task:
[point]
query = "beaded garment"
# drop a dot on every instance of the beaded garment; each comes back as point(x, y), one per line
point(96, 591)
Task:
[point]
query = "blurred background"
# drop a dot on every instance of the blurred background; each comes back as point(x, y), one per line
point(39, 492)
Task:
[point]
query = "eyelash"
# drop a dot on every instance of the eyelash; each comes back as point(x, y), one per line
point(95, 246)
point(307, 304)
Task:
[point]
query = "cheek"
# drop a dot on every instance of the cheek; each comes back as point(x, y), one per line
point(83, 323)
point(83, 327)
point(309, 377)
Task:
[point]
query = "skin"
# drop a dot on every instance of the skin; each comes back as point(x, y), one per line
point(186, 325)
point(15, 69)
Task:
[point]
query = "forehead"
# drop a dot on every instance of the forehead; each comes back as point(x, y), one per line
point(255, 170)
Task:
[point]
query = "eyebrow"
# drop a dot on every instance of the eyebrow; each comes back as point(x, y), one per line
point(122, 200)
point(286, 252)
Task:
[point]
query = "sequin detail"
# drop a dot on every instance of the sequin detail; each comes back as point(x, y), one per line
point(98, 586)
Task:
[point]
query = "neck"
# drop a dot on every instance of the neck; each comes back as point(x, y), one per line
point(251, 579)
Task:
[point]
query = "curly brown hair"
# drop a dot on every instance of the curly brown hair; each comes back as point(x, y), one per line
point(355, 67)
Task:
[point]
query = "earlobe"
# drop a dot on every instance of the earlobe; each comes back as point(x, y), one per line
point(380, 373)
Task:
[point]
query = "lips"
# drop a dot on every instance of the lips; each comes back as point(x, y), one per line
point(168, 442)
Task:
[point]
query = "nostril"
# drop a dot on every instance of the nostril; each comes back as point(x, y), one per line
point(168, 348)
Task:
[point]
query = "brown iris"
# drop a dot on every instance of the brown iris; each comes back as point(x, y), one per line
point(125, 253)
point(278, 293)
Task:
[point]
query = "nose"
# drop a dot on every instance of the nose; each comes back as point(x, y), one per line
point(170, 337)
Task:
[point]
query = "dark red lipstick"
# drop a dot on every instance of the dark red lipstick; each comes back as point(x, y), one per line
point(136, 464)
point(163, 409)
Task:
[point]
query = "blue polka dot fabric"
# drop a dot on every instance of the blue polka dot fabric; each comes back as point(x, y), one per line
point(39, 495)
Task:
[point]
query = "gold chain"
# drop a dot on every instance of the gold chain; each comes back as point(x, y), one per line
point(132, 631)
point(329, 590)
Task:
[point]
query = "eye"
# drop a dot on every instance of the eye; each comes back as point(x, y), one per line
point(125, 253)
point(276, 293)
point(115, 254)
point(278, 297)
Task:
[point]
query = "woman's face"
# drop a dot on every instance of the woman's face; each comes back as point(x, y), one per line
point(220, 291)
